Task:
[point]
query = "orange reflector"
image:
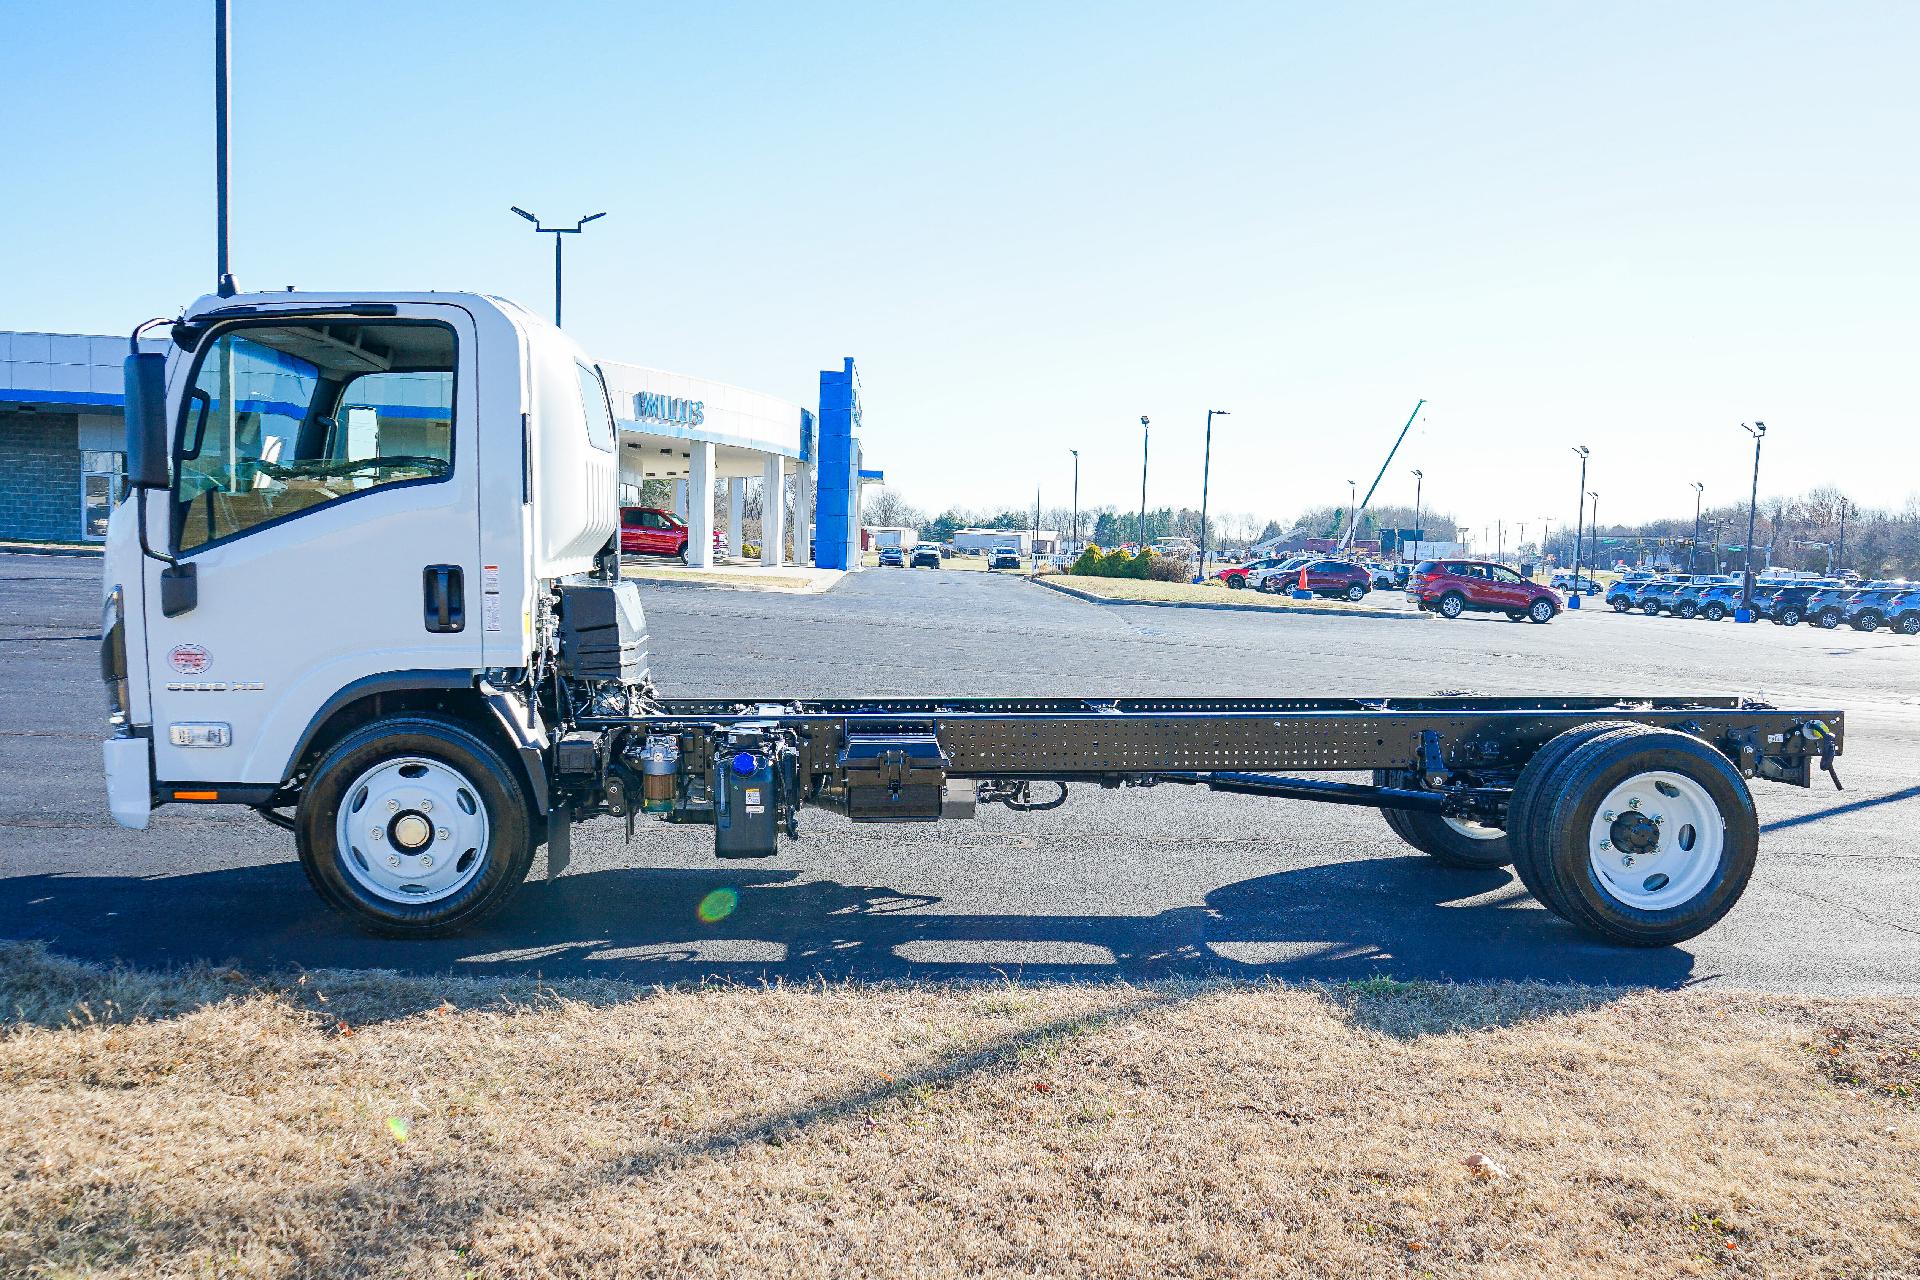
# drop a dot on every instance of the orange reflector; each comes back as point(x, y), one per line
point(196, 795)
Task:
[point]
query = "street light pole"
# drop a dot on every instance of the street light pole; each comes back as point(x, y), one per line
point(1140, 532)
point(1693, 560)
point(1745, 612)
point(1076, 500)
point(1573, 597)
point(222, 99)
point(556, 233)
point(1353, 504)
point(1593, 527)
point(1843, 540)
point(1206, 472)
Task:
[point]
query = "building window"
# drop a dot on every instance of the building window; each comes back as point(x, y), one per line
point(103, 479)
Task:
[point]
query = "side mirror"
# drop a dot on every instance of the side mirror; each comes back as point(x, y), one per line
point(146, 410)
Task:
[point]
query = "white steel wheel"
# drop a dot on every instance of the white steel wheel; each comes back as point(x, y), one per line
point(412, 830)
point(1656, 841)
point(1473, 830)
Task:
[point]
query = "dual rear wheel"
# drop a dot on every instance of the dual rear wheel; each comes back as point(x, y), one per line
point(1644, 836)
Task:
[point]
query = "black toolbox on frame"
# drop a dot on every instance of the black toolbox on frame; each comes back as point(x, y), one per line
point(894, 777)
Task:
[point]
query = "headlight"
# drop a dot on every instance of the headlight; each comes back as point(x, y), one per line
point(113, 652)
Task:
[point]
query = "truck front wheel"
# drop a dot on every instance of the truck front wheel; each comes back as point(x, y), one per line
point(414, 826)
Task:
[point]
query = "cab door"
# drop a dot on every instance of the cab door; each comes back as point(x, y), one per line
point(325, 504)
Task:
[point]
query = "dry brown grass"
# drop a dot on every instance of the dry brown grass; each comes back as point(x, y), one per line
point(348, 1124)
point(1213, 593)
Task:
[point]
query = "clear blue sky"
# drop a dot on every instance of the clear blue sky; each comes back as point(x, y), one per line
point(1629, 226)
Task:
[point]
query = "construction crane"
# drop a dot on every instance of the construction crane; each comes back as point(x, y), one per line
point(1353, 523)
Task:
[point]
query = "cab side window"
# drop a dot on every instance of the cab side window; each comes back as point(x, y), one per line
point(285, 417)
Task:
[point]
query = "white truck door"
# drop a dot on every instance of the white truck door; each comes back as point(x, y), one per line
point(325, 493)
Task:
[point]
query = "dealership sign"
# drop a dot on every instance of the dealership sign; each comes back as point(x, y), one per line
point(648, 407)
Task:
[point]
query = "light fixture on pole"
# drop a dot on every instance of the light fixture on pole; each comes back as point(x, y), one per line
point(1076, 500)
point(1573, 596)
point(1745, 612)
point(1693, 560)
point(1140, 530)
point(556, 233)
point(1206, 471)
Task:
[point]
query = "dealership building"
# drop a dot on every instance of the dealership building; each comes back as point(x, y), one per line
point(63, 459)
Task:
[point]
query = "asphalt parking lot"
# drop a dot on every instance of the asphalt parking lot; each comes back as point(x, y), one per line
point(1131, 884)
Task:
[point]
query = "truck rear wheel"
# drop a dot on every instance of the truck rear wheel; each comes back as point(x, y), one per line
point(415, 827)
point(1644, 836)
point(1453, 841)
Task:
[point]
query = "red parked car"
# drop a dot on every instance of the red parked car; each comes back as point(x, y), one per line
point(649, 531)
point(1235, 575)
point(1453, 587)
point(1323, 578)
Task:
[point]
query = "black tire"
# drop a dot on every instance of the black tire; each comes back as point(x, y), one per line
point(1529, 789)
point(1560, 822)
point(1714, 612)
point(1622, 605)
point(1789, 617)
point(1356, 593)
point(1432, 835)
point(1650, 607)
point(1515, 615)
point(1867, 621)
point(1830, 619)
point(1451, 605)
point(1688, 610)
point(1907, 624)
point(1541, 611)
point(1236, 582)
point(506, 857)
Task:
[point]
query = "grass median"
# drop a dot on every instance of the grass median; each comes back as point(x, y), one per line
point(1146, 591)
point(212, 1122)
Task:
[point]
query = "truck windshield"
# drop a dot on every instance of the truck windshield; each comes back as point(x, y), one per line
point(284, 418)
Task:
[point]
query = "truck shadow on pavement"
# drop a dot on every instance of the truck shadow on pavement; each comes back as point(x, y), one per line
point(1403, 918)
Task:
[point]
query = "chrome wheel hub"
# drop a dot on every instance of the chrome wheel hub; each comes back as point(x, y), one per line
point(412, 830)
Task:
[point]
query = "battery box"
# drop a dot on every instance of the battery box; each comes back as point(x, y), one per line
point(894, 777)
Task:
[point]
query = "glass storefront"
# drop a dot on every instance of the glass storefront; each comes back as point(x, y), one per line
point(103, 476)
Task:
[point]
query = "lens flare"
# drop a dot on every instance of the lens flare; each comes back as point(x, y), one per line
point(718, 905)
point(398, 1128)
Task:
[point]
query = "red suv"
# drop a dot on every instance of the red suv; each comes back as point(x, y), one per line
point(1452, 587)
point(649, 531)
point(1323, 578)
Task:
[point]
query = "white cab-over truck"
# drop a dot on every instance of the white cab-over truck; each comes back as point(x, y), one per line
point(366, 582)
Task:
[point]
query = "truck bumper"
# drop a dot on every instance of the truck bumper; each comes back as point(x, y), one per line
point(129, 768)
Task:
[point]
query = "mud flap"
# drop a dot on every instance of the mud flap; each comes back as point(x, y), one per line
point(559, 841)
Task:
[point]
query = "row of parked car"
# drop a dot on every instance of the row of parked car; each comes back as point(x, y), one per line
point(1825, 603)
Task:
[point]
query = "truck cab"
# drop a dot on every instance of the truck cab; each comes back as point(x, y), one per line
point(360, 513)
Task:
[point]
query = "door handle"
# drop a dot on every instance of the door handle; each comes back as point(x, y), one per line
point(444, 589)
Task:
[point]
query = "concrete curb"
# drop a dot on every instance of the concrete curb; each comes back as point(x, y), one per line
point(48, 549)
point(1090, 598)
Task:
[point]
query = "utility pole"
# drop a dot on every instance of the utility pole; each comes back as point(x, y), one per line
point(1573, 599)
point(222, 99)
point(556, 233)
point(1353, 513)
point(1419, 480)
point(1206, 472)
point(1843, 539)
point(1076, 500)
point(1593, 527)
point(1140, 533)
point(1693, 560)
point(1745, 612)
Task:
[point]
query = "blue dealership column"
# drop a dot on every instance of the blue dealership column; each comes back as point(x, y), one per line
point(837, 514)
